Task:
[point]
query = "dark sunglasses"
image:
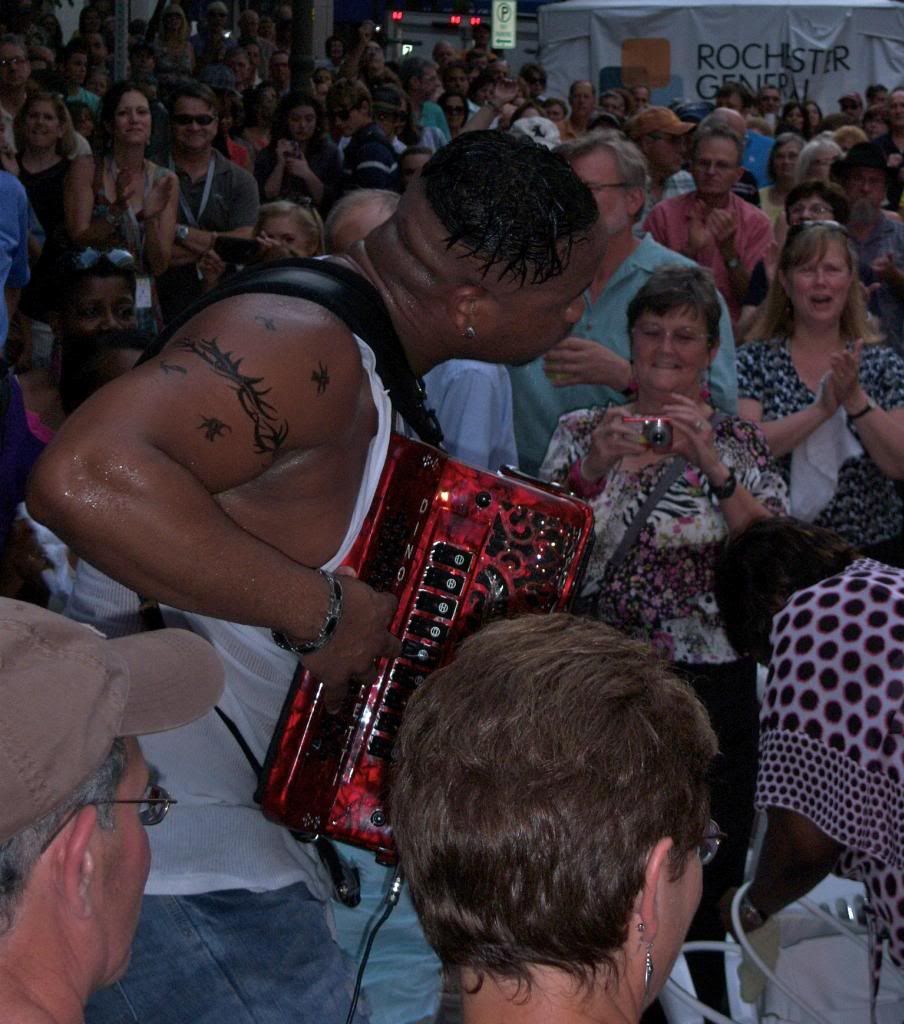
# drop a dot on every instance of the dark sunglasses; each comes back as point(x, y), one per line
point(186, 119)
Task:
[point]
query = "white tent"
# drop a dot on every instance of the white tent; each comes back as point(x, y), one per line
point(812, 48)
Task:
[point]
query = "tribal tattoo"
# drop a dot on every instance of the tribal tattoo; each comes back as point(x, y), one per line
point(213, 428)
point(270, 432)
point(320, 377)
point(266, 321)
point(172, 368)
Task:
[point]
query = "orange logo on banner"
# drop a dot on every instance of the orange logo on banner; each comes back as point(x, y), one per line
point(646, 62)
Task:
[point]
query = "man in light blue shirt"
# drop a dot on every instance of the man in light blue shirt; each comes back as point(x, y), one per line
point(13, 248)
point(592, 366)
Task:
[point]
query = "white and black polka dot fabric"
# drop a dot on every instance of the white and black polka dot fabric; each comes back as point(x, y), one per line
point(832, 727)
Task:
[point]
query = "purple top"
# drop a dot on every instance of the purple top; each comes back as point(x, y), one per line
point(19, 450)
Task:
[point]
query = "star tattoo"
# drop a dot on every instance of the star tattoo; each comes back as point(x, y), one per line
point(213, 428)
point(320, 377)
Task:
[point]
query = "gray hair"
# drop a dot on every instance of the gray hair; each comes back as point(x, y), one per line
point(630, 163)
point(814, 149)
point(716, 131)
point(20, 853)
point(348, 207)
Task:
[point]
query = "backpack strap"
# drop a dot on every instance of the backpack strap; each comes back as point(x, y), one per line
point(350, 297)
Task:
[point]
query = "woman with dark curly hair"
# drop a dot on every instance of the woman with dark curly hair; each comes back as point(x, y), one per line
point(300, 161)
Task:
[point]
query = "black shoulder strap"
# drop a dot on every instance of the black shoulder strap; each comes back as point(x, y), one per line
point(346, 295)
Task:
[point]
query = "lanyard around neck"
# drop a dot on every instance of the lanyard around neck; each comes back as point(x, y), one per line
point(190, 218)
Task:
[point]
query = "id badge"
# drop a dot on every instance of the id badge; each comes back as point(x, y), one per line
point(143, 295)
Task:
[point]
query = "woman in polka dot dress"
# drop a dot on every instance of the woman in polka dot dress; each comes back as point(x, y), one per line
point(830, 625)
point(815, 369)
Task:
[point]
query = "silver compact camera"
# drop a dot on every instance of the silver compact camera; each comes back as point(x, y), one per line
point(657, 430)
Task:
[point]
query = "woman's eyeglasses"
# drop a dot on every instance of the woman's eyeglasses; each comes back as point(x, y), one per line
point(712, 839)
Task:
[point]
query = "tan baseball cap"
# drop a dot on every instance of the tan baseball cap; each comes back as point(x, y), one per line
point(66, 692)
point(657, 119)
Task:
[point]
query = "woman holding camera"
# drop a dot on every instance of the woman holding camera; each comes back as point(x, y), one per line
point(300, 162)
point(669, 480)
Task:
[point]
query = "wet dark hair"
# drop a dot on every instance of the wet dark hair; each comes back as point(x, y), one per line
point(86, 363)
point(762, 567)
point(510, 204)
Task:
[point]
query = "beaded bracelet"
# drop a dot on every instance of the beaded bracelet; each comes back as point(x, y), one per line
point(330, 623)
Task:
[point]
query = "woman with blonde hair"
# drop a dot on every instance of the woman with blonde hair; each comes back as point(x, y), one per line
point(46, 143)
point(175, 54)
point(830, 403)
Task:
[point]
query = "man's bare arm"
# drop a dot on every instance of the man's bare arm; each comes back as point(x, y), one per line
point(139, 480)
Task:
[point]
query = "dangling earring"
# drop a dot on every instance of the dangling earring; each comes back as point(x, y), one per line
point(648, 967)
point(706, 391)
point(470, 333)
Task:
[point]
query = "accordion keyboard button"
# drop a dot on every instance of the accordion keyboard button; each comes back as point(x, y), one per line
point(455, 558)
point(380, 747)
point(447, 582)
point(444, 607)
point(419, 653)
point(428, 629)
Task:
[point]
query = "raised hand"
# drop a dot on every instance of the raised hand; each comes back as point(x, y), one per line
point(581, 361)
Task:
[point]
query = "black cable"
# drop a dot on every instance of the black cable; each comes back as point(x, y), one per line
point(392, 898)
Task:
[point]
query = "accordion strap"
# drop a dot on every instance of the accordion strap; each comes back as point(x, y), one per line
point(355, 301)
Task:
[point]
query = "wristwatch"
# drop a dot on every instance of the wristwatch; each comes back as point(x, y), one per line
point(870, 405)
point(751, 918)
point(727, 489)
point(181, 232)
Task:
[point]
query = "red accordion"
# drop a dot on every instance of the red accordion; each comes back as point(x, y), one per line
point(458, 546)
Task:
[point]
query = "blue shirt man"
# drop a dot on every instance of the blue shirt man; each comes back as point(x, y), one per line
point(13, 248)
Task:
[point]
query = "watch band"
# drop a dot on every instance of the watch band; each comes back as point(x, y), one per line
point(330, 622)
point(727, 489)
point(870, 405)
point(751, 918)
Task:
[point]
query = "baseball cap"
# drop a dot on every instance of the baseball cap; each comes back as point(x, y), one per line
point(67, 692)
point(657, 119)
point(540, 129)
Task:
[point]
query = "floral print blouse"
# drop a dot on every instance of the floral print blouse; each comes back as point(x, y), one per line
point(663, 590)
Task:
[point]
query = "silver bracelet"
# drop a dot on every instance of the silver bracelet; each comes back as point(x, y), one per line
point(330, 623)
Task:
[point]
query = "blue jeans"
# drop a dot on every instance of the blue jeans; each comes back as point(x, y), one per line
point(403, 979)
point(234, 956)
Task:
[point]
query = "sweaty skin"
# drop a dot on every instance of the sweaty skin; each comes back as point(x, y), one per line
point(212, 476)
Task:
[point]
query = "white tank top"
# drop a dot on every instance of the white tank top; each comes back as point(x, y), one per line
point(216, 837)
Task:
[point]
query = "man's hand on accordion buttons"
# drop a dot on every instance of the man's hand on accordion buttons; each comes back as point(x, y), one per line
point(361, 637)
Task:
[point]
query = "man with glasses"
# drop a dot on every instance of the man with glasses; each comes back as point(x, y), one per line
point(661, 136)
point(711, 225)
point(15, 70)
point(865, 176)
point(280, 72)
point(76, 795)
point(209, 42)
point(592, 366)
point(216, 197)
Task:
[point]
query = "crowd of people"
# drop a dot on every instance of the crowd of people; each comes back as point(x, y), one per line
point(689, 315)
